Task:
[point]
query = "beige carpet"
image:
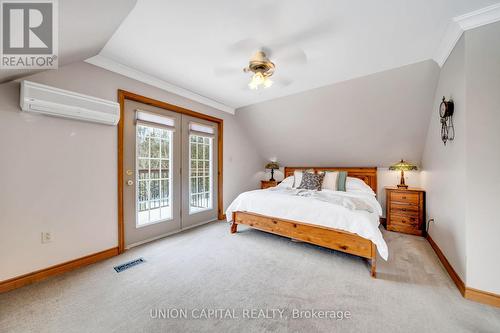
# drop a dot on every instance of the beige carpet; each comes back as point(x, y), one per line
point(208, 268)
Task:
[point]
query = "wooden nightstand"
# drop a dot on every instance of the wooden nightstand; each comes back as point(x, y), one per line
point(268, 183)
point(406, 210)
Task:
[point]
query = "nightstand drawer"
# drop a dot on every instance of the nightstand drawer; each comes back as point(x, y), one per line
point(406, 213)
point(405, 221)
point(402, 209)
point(405, 197)
point(405, 229)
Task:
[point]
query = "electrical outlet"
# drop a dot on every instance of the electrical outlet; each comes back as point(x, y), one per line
point(46, 237)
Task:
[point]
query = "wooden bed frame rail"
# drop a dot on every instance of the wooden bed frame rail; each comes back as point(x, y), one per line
point(316, 234)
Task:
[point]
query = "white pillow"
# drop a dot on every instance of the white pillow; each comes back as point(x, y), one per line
point(353, 184)
point(287, 182)
point(330, 180)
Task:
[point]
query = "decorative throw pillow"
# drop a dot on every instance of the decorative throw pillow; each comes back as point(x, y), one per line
point(297, 176)
point(311, 181)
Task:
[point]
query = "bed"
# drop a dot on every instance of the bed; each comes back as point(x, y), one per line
point(319, 218)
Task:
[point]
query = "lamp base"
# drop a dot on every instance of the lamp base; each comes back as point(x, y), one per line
point(402, 183)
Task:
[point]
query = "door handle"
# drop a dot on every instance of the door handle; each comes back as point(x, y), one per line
point(130, 182)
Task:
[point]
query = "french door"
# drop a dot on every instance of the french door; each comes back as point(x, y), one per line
point(199, 171)
point(169, 172)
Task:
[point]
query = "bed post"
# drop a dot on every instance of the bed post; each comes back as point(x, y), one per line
point(373, 271)
point(234, 226)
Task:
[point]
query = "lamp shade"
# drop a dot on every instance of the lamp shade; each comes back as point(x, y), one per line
point(272, 165)
point(403, 166)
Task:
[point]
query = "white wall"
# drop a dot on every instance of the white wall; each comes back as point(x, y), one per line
point(443, 175)
point(462, 179)
point(56, 176)
point(483, 157)
point(59, 175)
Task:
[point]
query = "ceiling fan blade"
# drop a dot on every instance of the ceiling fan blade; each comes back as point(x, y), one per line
point(225, 71)
point(285, 49)
point(247, 46)
point(315, 32)
point(283, 81)
point(268, 51)
point(291, 56)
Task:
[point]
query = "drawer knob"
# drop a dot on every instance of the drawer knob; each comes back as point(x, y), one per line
point(404, 197)
point(403, 209)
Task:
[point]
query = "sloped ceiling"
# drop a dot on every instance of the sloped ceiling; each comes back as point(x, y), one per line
point(202, 46)
point(370, 121)
point(84, 28)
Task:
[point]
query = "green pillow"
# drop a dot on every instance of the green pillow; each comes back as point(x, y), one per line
point(341, 180)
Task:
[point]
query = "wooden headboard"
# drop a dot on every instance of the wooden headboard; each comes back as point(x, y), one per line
point(368, 175)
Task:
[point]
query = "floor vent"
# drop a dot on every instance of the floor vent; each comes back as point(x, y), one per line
point(127, 265)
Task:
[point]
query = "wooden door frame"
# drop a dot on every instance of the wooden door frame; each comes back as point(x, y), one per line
point(126, 95)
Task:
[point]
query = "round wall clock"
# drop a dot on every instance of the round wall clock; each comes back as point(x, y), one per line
point(446, 108)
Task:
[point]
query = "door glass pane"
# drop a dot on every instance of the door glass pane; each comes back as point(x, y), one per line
point(153, 175)
point(200, 173)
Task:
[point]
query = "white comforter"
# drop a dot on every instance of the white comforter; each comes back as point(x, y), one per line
point(352, 212)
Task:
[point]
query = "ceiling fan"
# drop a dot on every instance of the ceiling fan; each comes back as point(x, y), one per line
point(262, 69)
point(285, 51)
point(260, 64)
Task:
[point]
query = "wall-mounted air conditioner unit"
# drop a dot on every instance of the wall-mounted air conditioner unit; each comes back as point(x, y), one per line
point(52, 101)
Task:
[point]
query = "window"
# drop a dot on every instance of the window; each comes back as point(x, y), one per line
point(200, 173)
point(153, 174)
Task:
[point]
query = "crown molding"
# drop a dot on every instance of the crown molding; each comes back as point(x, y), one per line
point(479, 17)
point(119, 68)
point(451, 36)
point(462, 23)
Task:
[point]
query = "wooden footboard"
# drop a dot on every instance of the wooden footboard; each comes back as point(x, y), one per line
point(318, 235)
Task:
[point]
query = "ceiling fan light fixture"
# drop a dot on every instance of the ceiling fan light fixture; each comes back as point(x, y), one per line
point(253, 86)
point(259, 79)
point(262, 68)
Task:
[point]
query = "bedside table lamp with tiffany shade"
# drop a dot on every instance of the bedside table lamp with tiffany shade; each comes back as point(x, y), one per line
point(273, 166)
point(403, 166)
